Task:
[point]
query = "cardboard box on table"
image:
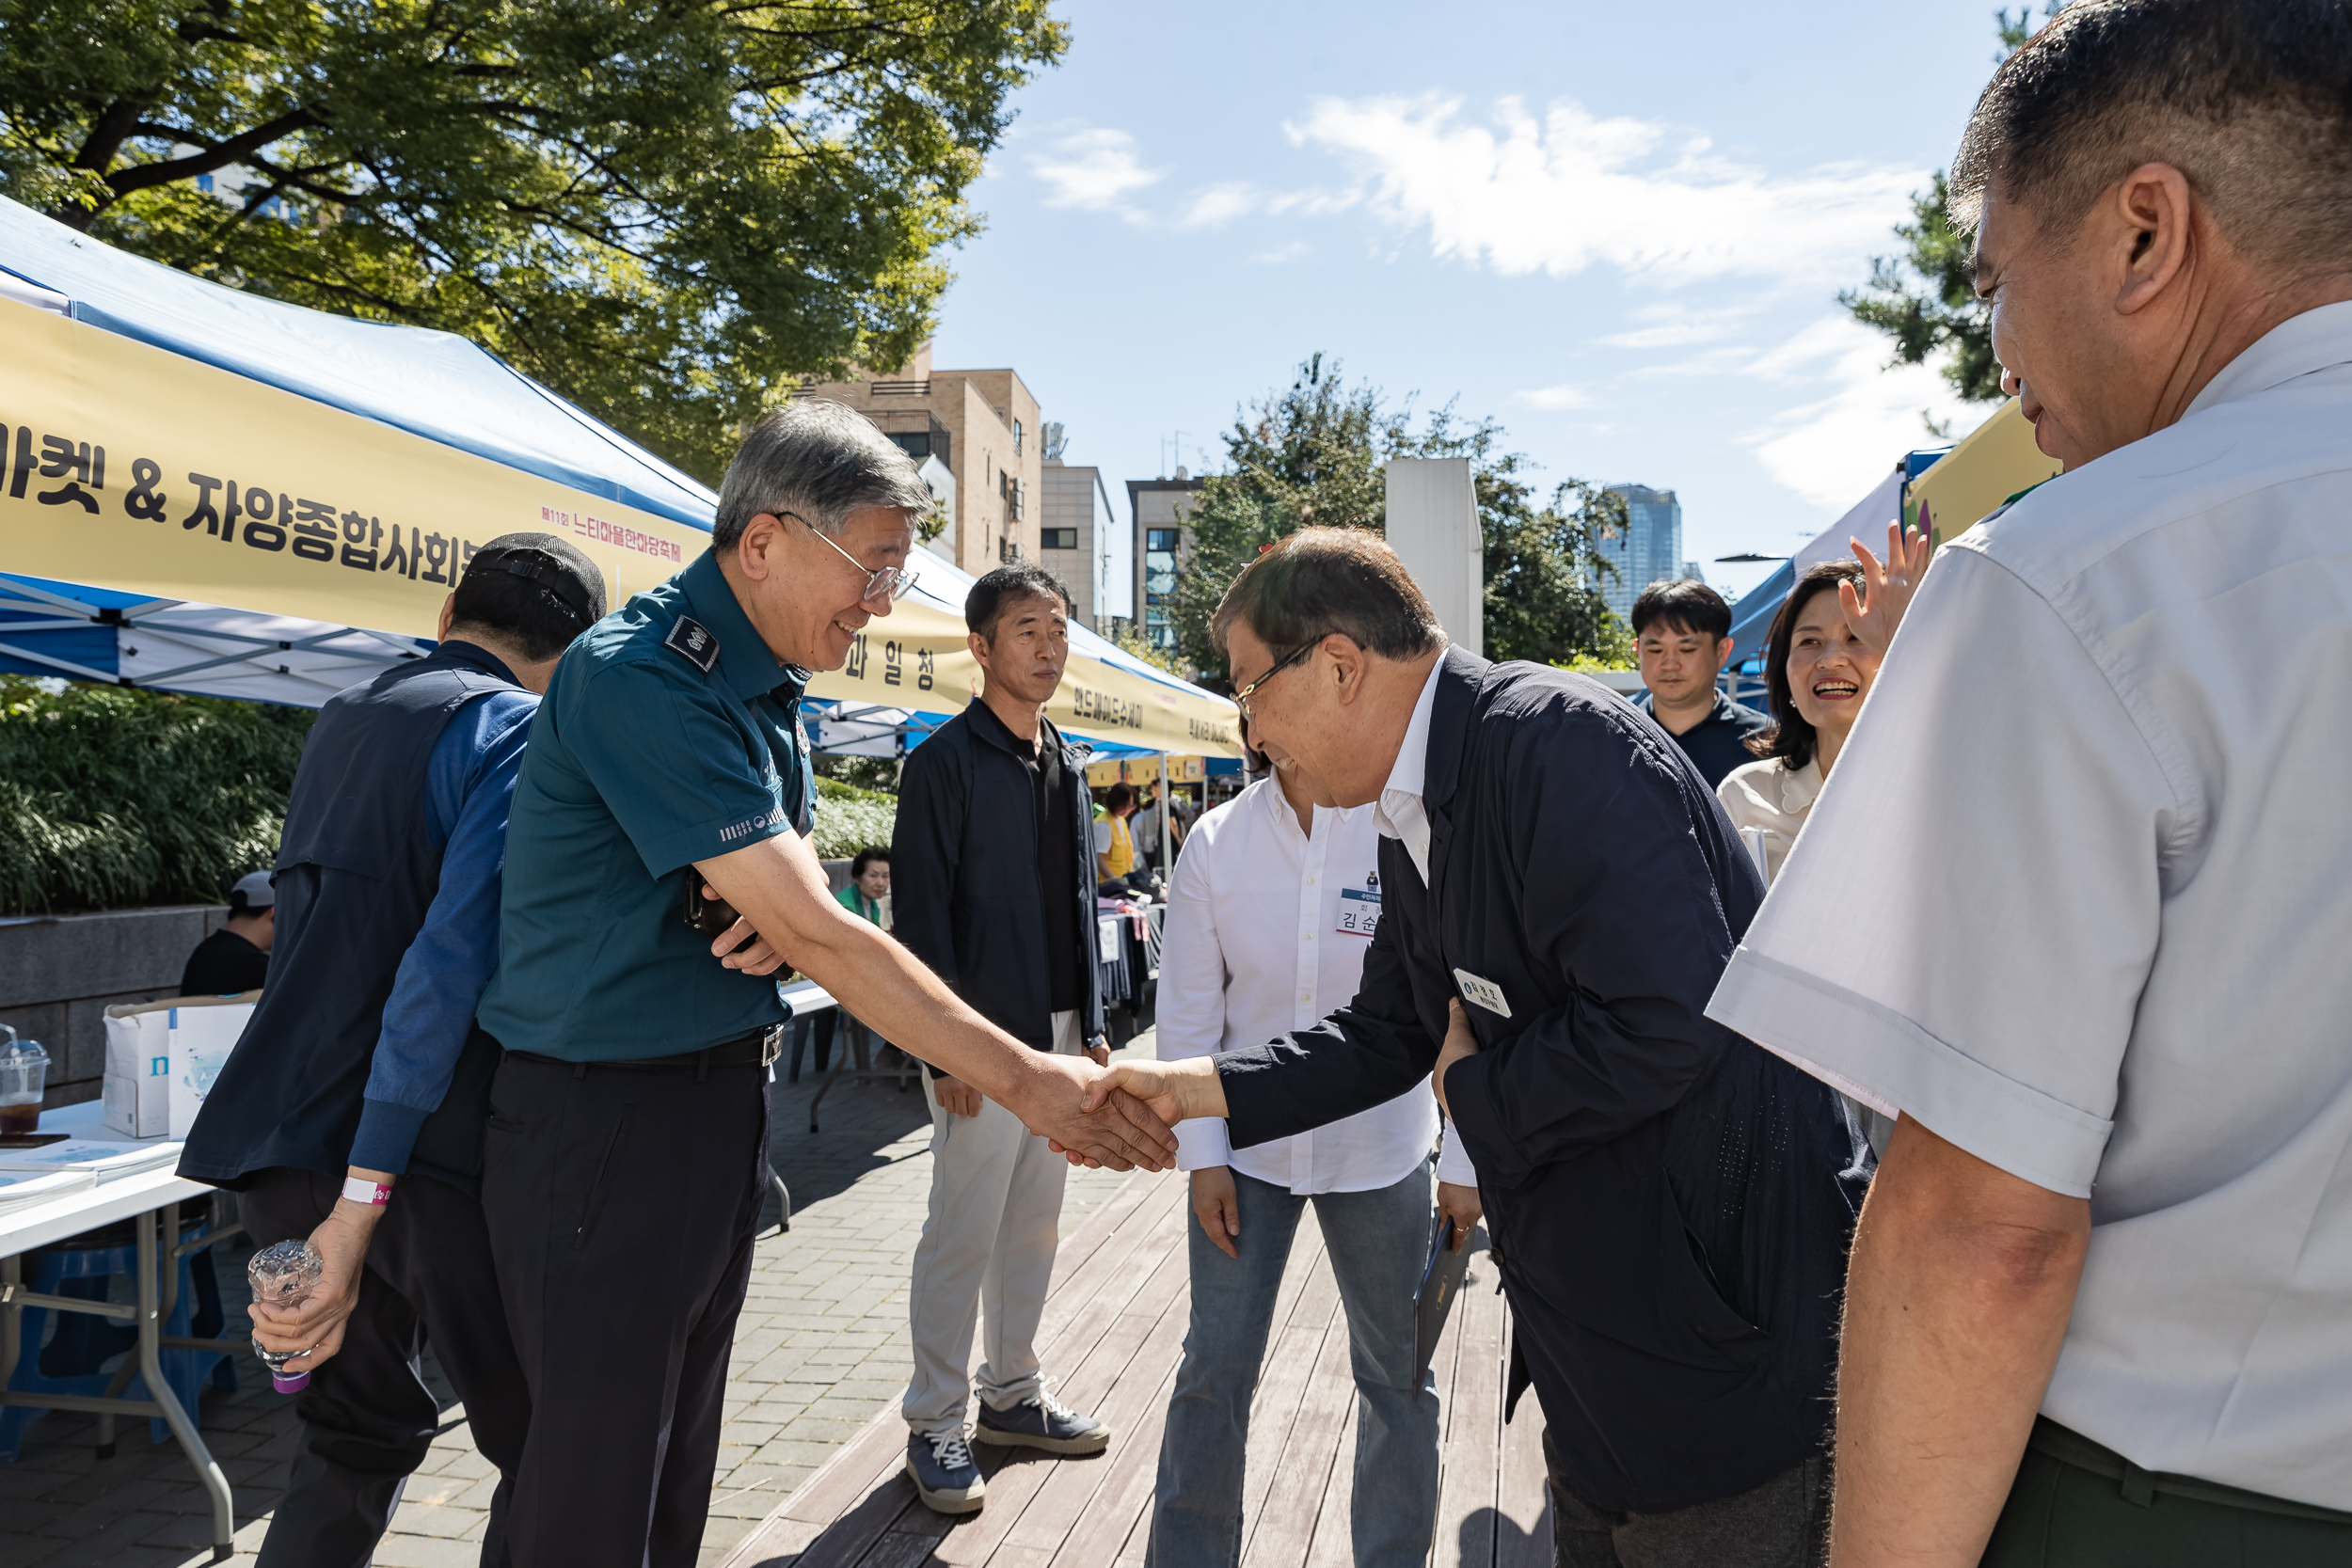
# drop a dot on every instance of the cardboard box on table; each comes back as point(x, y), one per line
point(162, 1058)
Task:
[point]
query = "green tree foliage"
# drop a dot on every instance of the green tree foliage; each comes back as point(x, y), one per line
point(845, 820)
point(1316, 454)
point(1545, 570)
point(111, 796)
point(1925, 298)
point(665, 213)
point(1132, 642)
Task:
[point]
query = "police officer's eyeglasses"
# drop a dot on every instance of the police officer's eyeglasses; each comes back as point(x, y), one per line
point(884, 588)
point(1241, 698)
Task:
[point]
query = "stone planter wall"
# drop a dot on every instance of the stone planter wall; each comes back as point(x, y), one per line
point(58, 973)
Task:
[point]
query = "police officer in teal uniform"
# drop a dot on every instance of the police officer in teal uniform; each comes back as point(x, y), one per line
point(626, 1146)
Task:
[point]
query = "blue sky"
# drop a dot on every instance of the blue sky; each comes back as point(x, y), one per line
point(1618, 229)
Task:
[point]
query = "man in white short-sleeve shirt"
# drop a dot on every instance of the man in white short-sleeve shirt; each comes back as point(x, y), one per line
point(2075, 903)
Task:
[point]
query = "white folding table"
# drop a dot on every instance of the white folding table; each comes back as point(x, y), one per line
point(150, 1201)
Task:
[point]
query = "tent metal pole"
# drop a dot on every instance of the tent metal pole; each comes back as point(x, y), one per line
point(81, 670)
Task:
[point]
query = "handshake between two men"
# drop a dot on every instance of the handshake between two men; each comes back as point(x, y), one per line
point(788, 915)
point(1116, 1115)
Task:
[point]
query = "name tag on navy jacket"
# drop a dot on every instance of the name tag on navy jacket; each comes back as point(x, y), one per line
point(1359, 908)
point(1485, 993)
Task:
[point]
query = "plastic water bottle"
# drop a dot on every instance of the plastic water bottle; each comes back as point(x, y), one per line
point(282, 1274)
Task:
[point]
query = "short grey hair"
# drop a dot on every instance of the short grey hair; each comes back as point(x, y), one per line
point(819, 461)
point(2252, 100)
point(1319, 581)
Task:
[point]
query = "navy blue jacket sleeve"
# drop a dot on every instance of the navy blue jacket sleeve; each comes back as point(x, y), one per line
point(1619, 901)
point(469, 785)
point(1092, 1022)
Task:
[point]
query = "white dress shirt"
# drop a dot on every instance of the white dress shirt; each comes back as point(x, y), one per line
point(1770, 799)
point(1399, 811)
point(2076, 901)
point(1266, 932)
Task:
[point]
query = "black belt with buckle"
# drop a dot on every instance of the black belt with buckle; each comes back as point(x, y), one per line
point(759, 1050)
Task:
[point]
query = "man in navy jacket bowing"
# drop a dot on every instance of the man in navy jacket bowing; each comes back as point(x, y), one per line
point(1670, 1206)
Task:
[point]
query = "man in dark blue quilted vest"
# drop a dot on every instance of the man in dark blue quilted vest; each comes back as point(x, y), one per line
point(352, 1110)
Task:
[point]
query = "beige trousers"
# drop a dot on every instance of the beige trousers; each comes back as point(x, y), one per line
point(987, 1249)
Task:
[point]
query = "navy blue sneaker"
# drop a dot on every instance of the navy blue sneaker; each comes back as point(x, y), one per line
point(940, 1464)
point(1041, 1421)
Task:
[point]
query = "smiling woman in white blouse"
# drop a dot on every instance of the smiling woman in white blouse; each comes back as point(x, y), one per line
point(1819, 663)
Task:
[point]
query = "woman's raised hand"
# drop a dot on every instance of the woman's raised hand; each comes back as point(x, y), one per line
point(1888, 588)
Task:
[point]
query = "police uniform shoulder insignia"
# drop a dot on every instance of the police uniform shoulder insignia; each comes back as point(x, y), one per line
point(694, 640)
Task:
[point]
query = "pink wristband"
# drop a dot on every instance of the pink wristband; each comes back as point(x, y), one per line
point(356, 1190)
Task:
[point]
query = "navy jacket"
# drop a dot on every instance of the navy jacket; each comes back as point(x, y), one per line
point(1670, 1205)
point(355, 874)
point(967, 889)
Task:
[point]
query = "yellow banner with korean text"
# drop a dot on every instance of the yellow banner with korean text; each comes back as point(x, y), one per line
point(128, 466)
point(918, 657)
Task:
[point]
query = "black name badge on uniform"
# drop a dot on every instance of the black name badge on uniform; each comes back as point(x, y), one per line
point(1484, 992)
point(1359, 908)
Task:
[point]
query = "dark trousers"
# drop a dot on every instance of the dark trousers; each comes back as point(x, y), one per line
point(367, 1418)
point(622, 1203)
point(1781, 1523)
point(2062, 1514)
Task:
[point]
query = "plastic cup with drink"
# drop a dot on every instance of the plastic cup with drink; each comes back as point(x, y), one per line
point(24, 1071)
point(281, 1275)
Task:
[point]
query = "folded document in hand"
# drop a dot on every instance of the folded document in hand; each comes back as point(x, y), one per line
point(1440, 1282)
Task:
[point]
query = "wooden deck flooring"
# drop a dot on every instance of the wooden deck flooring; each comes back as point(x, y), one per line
point(1113, 1332)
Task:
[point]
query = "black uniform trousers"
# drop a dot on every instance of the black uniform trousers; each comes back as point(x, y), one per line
point(623, 1203)
point(367, 1418)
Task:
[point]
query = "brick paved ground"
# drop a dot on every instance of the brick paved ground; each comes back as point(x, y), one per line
point(821, 1343)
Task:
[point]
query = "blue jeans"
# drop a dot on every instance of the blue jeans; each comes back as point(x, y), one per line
point(1377, 1242)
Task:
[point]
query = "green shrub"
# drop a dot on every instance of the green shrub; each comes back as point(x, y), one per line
point(111, 797)
point(850, 819)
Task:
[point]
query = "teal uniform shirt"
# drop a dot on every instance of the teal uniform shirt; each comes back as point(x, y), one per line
point(668, 735)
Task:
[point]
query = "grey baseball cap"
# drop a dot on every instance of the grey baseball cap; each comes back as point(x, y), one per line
point(252, 891)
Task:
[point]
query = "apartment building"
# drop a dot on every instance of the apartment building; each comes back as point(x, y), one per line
point(1082, 541)
point(981, 428)
point(1163, 548)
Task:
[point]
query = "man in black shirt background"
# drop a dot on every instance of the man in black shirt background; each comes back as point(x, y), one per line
point(1682, 635)
point(233, 960)
point(993, 886)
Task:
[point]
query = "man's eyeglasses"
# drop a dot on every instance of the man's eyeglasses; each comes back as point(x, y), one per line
point(884, 588)
point(1241, 698)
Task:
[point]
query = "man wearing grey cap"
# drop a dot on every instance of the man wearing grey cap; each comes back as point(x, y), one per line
point(362, 1071)
point(233, 960)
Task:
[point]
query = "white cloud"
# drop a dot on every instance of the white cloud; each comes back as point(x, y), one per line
point(1674, 325)
point(1289, 251)
point(1563, 192)
point(1094, 169)
point(1221, 204)
point(1556, 398)
point(1831, 451)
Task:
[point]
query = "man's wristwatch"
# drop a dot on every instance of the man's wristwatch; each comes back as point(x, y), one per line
point(359, 1190)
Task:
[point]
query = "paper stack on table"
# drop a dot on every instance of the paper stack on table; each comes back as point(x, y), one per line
point(102, 1159)
point(23, 1189)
